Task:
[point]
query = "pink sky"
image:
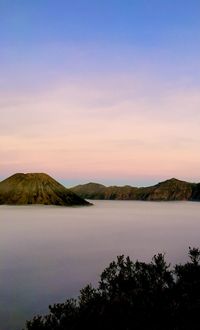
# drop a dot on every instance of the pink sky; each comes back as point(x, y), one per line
point(120, 128)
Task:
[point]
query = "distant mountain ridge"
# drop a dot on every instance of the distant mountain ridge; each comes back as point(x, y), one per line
point(36, 188)
point(169, 190)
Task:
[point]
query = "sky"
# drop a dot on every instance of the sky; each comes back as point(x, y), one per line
point(100, 90)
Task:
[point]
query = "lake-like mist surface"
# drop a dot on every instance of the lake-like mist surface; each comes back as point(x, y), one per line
point(48, 253)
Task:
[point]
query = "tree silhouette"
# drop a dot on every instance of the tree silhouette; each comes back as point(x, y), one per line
point(133, 295)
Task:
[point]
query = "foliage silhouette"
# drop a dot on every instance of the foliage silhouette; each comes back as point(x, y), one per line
point(133, 295)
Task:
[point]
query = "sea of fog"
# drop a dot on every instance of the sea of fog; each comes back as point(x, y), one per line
point(48, 253)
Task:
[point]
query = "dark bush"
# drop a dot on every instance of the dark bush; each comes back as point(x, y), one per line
point(133, 295)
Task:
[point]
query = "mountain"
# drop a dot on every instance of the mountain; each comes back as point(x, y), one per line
point(90, 190)
point(98, 191)
point(172, 189)
point(36, 188)
point(168, 190)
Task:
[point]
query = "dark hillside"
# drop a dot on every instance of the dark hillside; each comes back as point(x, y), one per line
point(36, 188)
point(169, 190)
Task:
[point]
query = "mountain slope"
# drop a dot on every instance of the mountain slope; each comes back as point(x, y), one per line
point(36, 188)
point(90, 190)
point(168, 190)
point(172, 189)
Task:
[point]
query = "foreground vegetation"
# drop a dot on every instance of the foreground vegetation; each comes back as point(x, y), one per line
point(133, 295)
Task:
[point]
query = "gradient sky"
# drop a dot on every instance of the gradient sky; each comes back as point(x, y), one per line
point(100, 90)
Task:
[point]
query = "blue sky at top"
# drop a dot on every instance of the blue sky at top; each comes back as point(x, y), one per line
point(144, 22)
point(112, 34)
point(166, 28)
